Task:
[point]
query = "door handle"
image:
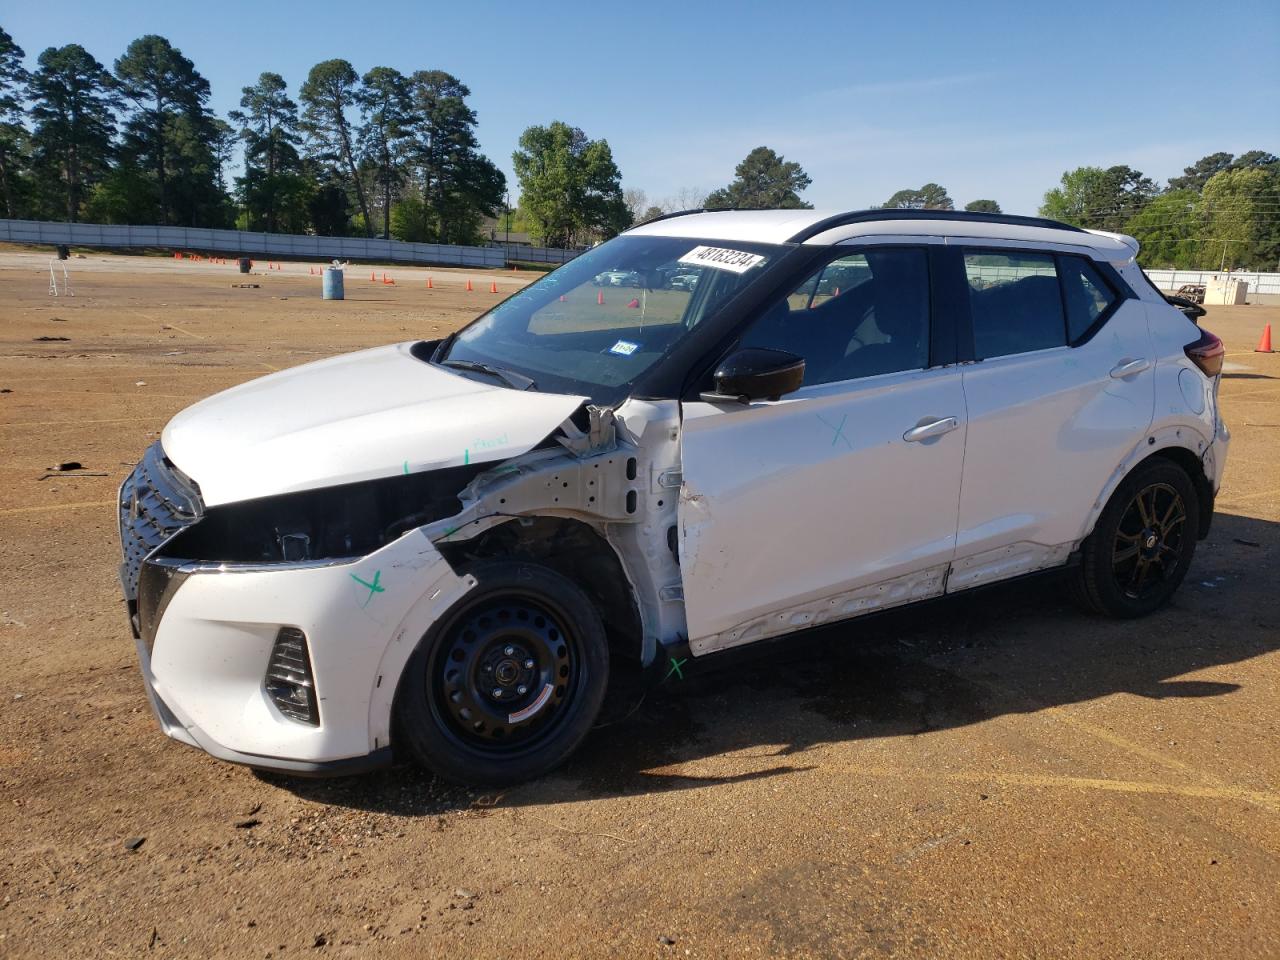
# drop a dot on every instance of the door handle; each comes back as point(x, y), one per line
point(933, 428)
point(1127, 368)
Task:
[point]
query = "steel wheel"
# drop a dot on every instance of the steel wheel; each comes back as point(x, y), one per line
point(1149, 540)
point(504, 673)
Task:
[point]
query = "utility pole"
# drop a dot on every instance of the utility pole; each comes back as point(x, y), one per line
point(506, 203)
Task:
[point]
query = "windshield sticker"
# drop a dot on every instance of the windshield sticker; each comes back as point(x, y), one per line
point(624, 348)
point(721, 258)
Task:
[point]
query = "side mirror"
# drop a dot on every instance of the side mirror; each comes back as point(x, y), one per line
point(756, 373)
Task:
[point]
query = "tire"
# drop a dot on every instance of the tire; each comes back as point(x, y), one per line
point(505, 686)
point(1124, 572)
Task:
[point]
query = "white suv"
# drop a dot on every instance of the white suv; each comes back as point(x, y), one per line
point(439, 546)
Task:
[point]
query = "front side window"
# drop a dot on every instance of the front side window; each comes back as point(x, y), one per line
point(860, 315)
point(600, 321)
point(1015, 303)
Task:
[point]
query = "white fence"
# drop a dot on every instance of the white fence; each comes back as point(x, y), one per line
point(1266, 284)
point(247, 243)
point(531, 254)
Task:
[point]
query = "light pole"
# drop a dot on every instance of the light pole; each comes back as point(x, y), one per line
point(506, 203)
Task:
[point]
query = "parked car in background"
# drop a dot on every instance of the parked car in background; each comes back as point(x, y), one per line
point(439, 547)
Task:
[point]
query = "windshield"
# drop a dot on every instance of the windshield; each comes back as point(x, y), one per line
point(600, 321)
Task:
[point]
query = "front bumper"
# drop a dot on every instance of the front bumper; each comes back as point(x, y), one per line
point(204, 652)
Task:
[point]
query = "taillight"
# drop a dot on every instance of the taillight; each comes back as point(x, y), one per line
point(1206, 353)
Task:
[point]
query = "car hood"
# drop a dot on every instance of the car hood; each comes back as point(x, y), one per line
point(359, 416)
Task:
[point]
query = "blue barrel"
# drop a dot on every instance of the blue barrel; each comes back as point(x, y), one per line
point(333, 283)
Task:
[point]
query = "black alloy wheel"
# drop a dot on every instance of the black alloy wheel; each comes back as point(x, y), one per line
point(1142, 543)
point(1148, 540)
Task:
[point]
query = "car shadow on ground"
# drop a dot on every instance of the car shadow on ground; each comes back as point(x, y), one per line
point(1013, 648)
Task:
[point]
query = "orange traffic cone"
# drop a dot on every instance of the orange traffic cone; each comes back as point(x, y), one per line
point(600, 298)
point(430, 285)
point(388, 281)
point(177, 256)
point(634, 304)
point(1264, 345)
point(469, 287)
point(384, 276)
point(493, 286)
point(373, 277)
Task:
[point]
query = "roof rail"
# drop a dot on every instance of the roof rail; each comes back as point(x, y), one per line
point(907, 213)
point(668, 216)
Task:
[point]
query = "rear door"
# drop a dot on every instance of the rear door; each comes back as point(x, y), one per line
point(1060, 391)
point(841, 497)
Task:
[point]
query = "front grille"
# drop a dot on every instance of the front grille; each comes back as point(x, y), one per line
point(156, 503)
point(289, 681)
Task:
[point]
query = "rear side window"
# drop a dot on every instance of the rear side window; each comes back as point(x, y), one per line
point(1015, 303)
point(1086, 295)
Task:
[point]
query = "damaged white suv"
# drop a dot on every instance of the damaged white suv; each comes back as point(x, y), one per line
point(438, 547)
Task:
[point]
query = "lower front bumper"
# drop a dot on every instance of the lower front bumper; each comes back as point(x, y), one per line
point(204, 654)
point(193, 736)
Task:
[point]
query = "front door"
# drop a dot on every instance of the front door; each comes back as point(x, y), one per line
point(837, 499)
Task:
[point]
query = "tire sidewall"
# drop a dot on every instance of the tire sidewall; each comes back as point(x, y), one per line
point(441, 751)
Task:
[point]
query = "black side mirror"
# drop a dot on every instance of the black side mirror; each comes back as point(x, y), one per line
point(756, 373)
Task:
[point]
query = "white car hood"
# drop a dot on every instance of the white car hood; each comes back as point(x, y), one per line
point(359, 416)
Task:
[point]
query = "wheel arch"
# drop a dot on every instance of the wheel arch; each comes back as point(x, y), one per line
point(1172, 445)
point(574, 549)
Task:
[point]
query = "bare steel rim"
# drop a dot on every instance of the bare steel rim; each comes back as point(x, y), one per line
point(1150, 541)
point(506, 675)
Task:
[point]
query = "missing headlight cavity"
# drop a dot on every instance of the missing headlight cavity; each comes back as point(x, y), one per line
point(345, 521)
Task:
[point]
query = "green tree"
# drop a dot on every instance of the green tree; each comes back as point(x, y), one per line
point(330, 92)
point(384, 110)
point(14, 141)
point(1197, 175)
point(982, 206)
point(73, 125)
point(763, 180)
point(569, 185)
point(1171, 230)
point(1099, 199)
point(169, 131)
point(1203, 170)
point(650, 213)
point(272, 182)
point(929, 197)
point(458, 184)
point(1240, 211)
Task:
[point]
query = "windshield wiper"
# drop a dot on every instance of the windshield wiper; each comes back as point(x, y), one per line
point(512, 379)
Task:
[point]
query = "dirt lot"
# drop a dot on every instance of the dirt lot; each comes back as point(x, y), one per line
point(991, 776)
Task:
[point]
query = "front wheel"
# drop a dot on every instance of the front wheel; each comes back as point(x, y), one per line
point(1143, 543)
point(509, 681)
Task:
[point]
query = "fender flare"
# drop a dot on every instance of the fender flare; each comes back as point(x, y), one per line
point(1182, 437)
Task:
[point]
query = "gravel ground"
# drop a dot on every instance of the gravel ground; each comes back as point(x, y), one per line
point(994, 775)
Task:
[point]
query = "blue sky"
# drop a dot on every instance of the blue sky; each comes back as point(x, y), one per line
point(991, 100)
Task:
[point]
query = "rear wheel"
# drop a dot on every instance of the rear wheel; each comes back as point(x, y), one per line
point(1143, 543)
point(507, 684)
